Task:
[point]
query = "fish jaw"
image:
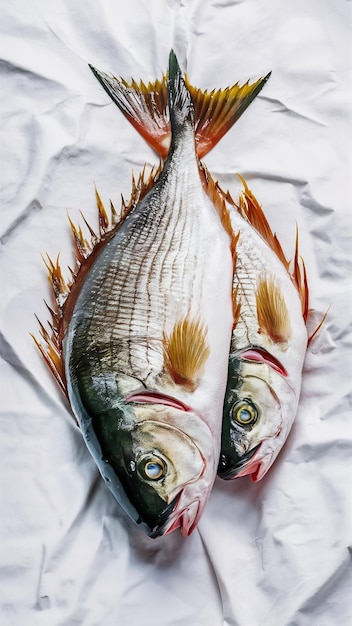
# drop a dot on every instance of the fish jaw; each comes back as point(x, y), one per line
point(185, 516)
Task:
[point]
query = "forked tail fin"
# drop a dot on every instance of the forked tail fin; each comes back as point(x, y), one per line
point(146, 108)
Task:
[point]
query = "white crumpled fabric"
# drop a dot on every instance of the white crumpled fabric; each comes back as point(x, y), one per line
point(273, 553)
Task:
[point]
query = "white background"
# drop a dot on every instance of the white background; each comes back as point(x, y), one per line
point(273, 553)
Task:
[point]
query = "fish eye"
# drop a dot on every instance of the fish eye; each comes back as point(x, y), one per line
point(244, 413)
point(152, 467)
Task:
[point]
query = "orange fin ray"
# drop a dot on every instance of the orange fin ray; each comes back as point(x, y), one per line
point(299, 276)
point(145, 107)
point(318, 328)
point(186, 351)
point(272, 312)
point(250, 209)
point(215, 112)
point(51, 352)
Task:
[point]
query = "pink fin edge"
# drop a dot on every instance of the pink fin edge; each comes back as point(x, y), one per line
point(148, 396)
point(260, 355)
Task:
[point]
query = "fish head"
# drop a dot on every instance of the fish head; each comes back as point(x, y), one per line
point(259, 409)
point(157, 457)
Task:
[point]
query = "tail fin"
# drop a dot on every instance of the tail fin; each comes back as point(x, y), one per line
point(146, 108)
point(217, 111)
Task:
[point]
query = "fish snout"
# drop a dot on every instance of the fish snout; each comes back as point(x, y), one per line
point(235, 465)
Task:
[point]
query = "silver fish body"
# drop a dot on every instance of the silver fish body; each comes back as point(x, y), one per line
point(148, 403)
point(268, 347)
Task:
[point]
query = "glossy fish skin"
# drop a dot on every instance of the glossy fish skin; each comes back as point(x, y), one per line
point(268, 347)
point(160, 284)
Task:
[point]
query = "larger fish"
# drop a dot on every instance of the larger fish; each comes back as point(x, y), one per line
point(270, 296)
point(268, 345)
point(142, 342)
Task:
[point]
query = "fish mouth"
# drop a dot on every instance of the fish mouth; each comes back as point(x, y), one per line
point(163, 523)
point(229, 468)
point(186, 519)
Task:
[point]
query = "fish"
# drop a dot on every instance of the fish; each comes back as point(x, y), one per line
point(140, 336)
point(270, 297)
point(268, 344)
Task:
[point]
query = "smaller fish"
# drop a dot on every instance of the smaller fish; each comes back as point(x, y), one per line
point(268, 345)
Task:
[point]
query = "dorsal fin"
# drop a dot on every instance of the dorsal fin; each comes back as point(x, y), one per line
point(217, 198)
point(185, 352)
point(272, 312)
point(66, 290)
point(250, 209)
point(146, 108)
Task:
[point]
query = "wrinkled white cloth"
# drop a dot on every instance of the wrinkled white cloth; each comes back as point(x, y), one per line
point(273, 553)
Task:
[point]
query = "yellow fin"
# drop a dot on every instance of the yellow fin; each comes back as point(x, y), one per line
point(272, 312)
point(186, 351)
point(146, 108)
point(251, 210)
point(216, 111)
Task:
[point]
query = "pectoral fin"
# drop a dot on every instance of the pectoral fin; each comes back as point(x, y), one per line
point(272, 312)
point(185, 352)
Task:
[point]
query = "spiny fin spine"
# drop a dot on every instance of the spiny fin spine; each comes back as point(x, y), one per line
point(185, 352)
